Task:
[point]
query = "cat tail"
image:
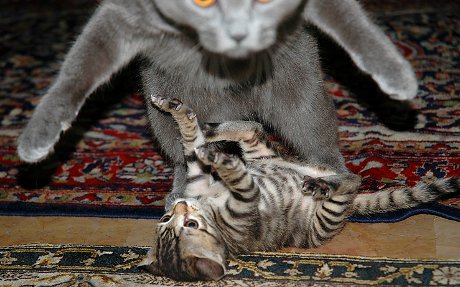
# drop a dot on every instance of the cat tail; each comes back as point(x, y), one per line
point(393, 199)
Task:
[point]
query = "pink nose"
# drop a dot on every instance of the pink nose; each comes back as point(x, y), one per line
point(181, 208)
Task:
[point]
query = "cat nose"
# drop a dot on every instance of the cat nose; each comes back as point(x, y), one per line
point(239, 37)
point(181, 207)
point(238, 32)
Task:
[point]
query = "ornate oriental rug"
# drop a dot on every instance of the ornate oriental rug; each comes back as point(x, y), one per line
point(100, 266)
point(108, 166)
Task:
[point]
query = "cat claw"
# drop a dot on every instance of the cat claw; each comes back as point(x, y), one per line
point(191, 115)
point(206, 155)
point(172, 105)
point(317, 187)
point(210, 156)
point(156, 100)
point(175, 104)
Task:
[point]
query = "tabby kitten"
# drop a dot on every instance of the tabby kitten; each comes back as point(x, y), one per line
point(261, 202)
point(229, 60)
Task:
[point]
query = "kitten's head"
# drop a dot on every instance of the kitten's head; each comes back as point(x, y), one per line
point(187, 246)
point(234, 28)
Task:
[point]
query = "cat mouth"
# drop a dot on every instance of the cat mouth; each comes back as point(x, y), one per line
point(239, 53)
point(250, 65)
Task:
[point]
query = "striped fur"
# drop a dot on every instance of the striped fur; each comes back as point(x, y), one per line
point(260, 201)
point(406, 197)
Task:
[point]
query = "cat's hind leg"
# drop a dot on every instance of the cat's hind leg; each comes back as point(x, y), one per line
point(250, 135)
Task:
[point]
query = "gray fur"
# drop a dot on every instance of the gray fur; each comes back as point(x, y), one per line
point(367, 45)
point(230, 61)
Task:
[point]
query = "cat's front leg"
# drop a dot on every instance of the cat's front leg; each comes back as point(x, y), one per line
point(192, 136)
point(250, 136)
point(198, 176)
point(102, 49)
point(231, 169)
point(370, 49)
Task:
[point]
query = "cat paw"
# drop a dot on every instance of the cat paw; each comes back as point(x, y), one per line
point(318, 188)
point(38, 138)
point(210, 156)
point(398, 81)
point(165, 104)
point(210, 130)
point(172, 106)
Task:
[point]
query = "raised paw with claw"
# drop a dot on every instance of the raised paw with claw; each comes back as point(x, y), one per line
point(317, 187)
point(172, 106)
point(211, 156)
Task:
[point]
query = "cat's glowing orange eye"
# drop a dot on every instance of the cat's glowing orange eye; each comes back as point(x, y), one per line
point(204, 3)
point(165, 218)
point(264, 1)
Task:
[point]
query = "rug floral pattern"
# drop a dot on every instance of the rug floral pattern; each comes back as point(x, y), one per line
point(109, 166)
point(47, 265)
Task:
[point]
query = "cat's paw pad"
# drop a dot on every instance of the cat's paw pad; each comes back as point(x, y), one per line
point(157, 100)
point(172, 106)
point(205, 154)
point(175, 104)
point(229, 161)
point(210, 129)
point(211, 156)
point(316, 187)
point(166, 104)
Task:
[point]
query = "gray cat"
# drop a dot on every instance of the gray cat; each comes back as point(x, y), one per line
point(229, 60)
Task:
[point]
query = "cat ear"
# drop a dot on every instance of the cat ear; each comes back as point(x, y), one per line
point(210, 269)
point(149, 263)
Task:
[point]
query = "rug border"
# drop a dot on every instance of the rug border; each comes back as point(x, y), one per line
point(254, 254)
point(155, 212)
point(67, 210)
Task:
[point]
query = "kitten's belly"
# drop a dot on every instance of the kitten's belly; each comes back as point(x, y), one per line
point(282, 199)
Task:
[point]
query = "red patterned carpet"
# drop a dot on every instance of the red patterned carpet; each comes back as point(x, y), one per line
point(108, 166)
